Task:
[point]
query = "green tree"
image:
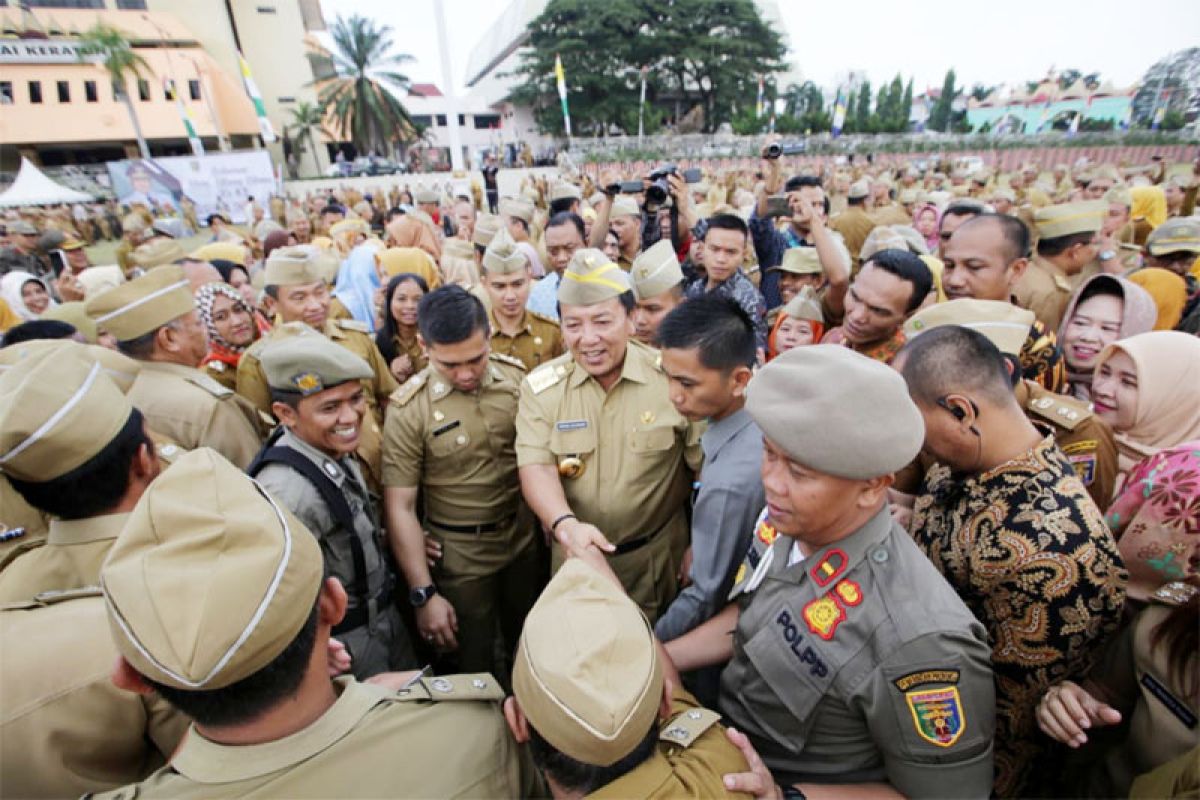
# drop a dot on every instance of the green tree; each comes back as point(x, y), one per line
point(941, 113)
point(306, 118)
point(906, 105)
point(862, 109)
point(360, 96)
point(119, 60)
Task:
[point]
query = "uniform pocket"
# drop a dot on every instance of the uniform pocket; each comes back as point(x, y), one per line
point(651, 440)
point(452, 441)
point(573, 441)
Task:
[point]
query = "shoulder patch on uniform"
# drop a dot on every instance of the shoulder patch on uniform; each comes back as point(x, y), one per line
point(479, 686)
point(8, 534)
point(937, 715)
point(685, 728)
point(217, 366)
point(1065, 412)
point(209, 385)
point(52, 596)
point(545, 376)
point(510, 360)
point(353, 325)
point(921, 677)
point(542, 317)
point(408, 390)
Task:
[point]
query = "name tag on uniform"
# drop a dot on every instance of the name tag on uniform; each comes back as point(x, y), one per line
point(571, 424)
point(449, 426)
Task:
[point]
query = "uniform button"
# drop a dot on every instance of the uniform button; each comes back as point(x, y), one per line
point(879, 555)
point(694, 715)
point(441, 685)
point(461, 439)
point(478, 684)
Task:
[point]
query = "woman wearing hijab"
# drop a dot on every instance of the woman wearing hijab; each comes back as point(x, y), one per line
point(26, 294)
point(1170, 293)
point(407, 231)
point(397, 336)
point(927, 219)
point(237, 276)
point(231, 329)
point(357, 281)
point(1145, 389)
point(1104, 309)
point(1148, 211)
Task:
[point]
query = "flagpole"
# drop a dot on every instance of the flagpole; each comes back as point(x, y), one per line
point(561, 79)
point(448, 91)
point(642, 107)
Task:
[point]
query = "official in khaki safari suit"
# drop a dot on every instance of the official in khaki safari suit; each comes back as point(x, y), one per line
point(450, 437)
point(1047, 285)
point(517, 332)
point(301, 295)
point(155, 321)
point(599, 443)
point(217, 601)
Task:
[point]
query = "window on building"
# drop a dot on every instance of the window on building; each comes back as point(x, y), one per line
point(6, 93)
point(117, 90)
point(89, 91)
point(35, 91)
point(462, 121)
point(286, 99)
point(441, 120)
point(194, 90)
point(64, 91)
point(143, 90)
point(424, 120)
point(485, 122)
point(65, 3)
point(131, 5)
point(266, 9)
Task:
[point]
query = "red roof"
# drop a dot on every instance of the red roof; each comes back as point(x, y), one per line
point(425, 90)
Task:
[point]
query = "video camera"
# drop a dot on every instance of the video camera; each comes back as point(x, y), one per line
point(659, 190)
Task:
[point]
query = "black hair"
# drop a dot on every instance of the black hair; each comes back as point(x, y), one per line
point(38, 329)
point(332, 208)
point(719, 329)
point(728, 222)
point(140, 347)
point(248, 699)
point(391, 214)
point(963, 208)
point(628, 301)
point(856, 201)
point(385, 337)
point(952, 358)
point(562, 205)
point(800, 181)
point(909, 267)
point(576, 776)
point(226, 268)
point(1017, 240)
point(568, 218)
point(1102, 284)
point(450, 314)
point(96, 485)
point(287, 397)
point(211, 217)
point(524, 224)
point(1061, 244)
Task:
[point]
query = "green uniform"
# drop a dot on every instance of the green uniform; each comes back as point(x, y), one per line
point(458, 448)
point(637, 453)
point(842, 673)
point(538, 340)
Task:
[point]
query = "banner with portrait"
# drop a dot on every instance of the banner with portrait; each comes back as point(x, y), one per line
point(217, 182)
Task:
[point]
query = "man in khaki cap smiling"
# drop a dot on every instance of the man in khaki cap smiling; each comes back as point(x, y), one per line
point(597, 424)
point(838, 671)
point(155, 321)
point(217, 602)
point(517, 332)
point(658, 286)
point(592, 700)
point(1066, 255)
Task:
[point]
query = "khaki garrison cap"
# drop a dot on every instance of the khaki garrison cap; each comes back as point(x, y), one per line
point(1004, 324)
point(458, 248)
point(565, 191)
point(1119, 195)
point(73, 314)
point(1004, 193)
point(805, 305)
point(485, 228)
point(591, 278)
point(210, 579)
point(879, 239)
point(587, 673)
point(71, 243)
point(655, 271)
point(57, 411)
point(513, 207)
point(1066, 219)
point(157, 253)
point(227, 251)
point(310, 364)
point(349, 226)
point(859, 190)
point(800, 261)
point(624, 205)
point(294, 266)
point(908, 196)
point(120, 368)
point(144, 304)
point(427, 196)
point(22, 227)
point(1176, 235)
point(502, 256)
point(836, 411)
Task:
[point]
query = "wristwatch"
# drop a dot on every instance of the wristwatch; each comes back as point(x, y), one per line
point(420, 595)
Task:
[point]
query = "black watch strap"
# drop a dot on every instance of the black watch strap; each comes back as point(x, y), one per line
point(419, 595)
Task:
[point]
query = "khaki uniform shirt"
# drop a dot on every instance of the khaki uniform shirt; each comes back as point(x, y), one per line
point(891, 214)
point(70, 559)
point(411, 348)
point(192, 409)
point(843, 673)
point(444, 737)
point(854, 225)
point(223, 373)
point(22, 527)
point(1045, 289)
point(538, 341)
point(64, 728)
point(691, 760)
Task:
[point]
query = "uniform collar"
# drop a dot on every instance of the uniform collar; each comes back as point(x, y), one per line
point(206, 762)
point(720, 432)
point(168, 366)
point(526, 323)
point(440, 388)
point(333, 468)
point(636, 368)
point(83, 531)
point(827, 566)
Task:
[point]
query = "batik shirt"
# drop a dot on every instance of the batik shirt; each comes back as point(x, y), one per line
point(739, 287)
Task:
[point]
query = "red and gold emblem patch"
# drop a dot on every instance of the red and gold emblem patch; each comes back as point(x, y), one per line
point(823, 615)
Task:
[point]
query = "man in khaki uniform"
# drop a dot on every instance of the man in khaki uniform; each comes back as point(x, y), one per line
point(517, 332)
point(1066, 256)
point(449, 436)
point(155, 321)
point(301, 295)
point(216, 602)
point(854, 223)
point(657, 279)
point(602, 710)
point(318, 398)
point(73, 447)
point(599, 443)
point(839, 671)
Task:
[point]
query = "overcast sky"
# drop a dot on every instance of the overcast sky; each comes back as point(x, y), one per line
point(989, 43)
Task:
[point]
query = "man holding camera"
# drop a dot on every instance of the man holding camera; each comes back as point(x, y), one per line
point(666, 187)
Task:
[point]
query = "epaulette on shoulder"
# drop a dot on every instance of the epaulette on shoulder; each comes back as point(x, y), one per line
point(478, 686)
point(408, 390)
point(543, 317)
point(546, 376)
point(209, 385)
point(353, 325)
point(685, 728)
point(1065, 412)
point(510, 360)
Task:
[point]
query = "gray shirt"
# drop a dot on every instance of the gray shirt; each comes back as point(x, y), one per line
point(728, 501)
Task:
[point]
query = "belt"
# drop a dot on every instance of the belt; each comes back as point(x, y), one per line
point(483, 527)
point(634, 544)
point(361, 615)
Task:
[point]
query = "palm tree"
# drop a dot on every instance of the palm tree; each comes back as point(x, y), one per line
point(119, 60)
point(359, 96)
point(307, 117)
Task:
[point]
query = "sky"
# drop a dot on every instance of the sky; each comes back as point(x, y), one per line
point(1012, 41)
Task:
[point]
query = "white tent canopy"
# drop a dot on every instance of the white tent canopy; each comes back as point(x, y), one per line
point(33, 188)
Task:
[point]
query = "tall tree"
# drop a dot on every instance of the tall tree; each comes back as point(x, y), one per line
point(306, 118)
point(862, 109)
point(361, 97)
point(940, 116)
point(120, 62)
point(906, 105)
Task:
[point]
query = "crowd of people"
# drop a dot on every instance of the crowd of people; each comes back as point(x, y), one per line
point(805, 480)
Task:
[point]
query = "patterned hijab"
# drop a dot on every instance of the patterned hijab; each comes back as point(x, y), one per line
point(205, 296)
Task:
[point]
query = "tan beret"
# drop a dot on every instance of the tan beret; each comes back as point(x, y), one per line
point(142, 305)
point(587, 673)
point(565, 191)
point(624, 205)
point(226, 251)
point(859, 190)
point(519, 208)
point(210, 579)
point(1066, 219)
point(655, 271)
point(805, 305)
point(836, 411)
point(157, 253)
point(591, 278)
point(310, 364)
point(1005, 324)
point(800, 261)
point(1176, 235)
point(294, 266)
point(57, 411)
point(485, 228)
point(502, 256)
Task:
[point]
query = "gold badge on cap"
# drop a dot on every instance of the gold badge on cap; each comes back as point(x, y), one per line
point(307, 382)
point(571, 467)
